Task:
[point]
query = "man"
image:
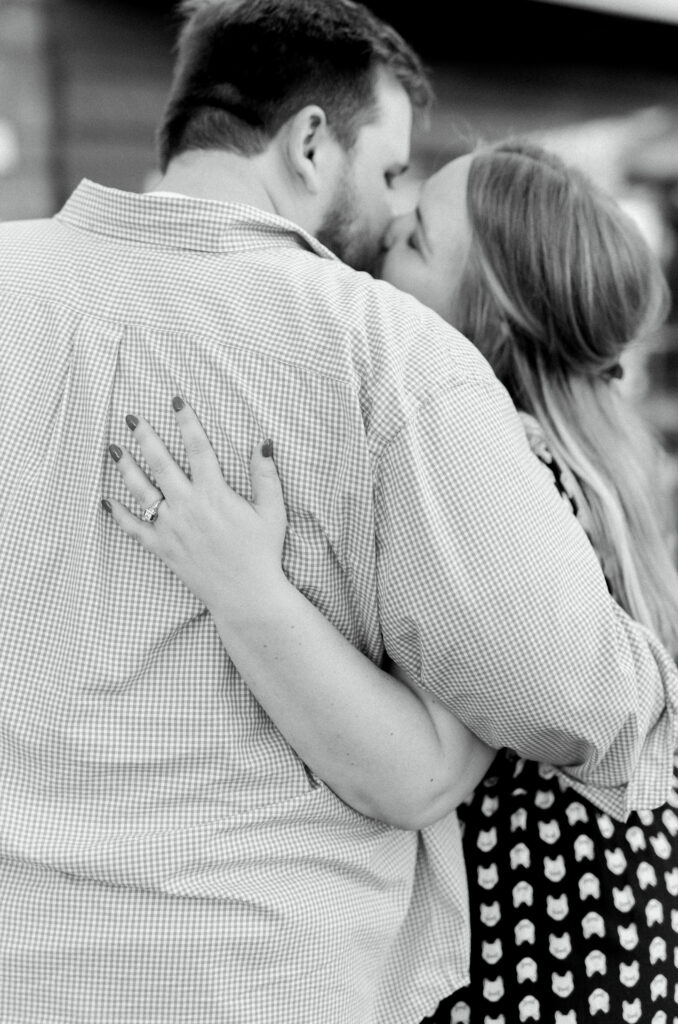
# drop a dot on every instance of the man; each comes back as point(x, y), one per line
point(165, 857)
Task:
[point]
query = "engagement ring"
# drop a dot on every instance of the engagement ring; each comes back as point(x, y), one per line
point(150, 514)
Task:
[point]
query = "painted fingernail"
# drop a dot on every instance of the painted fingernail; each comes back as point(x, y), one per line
point(177, 403)
point(116, 453)
point(106, 505)
point(267, 448)
point(131, 421)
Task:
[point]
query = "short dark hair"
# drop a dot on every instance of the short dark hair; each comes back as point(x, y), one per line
point(244, 67)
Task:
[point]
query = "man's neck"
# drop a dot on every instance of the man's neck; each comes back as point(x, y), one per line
point(225, 177)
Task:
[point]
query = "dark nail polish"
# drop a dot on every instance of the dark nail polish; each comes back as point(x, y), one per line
point(106, 505)
point(267, 448)
point(116, 453)
point(131, 421)
point(177, 403)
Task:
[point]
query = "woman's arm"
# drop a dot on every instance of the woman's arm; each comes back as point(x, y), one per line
point(389, 751)
point(387, 748)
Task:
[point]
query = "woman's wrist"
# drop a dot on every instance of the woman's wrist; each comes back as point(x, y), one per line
point(256, 601)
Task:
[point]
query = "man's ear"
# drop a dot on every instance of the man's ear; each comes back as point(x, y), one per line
point(310, 148)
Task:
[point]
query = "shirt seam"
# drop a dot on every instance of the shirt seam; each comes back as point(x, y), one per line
point(352, 381)
point(433, 395)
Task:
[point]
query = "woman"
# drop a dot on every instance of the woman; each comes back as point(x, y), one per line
point(575, 916)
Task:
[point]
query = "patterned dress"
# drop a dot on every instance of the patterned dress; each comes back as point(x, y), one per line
point(574, 916)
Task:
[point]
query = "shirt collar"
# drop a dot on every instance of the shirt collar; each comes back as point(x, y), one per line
point(181, 222)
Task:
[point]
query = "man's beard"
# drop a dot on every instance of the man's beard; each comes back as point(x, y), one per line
point(340, 232)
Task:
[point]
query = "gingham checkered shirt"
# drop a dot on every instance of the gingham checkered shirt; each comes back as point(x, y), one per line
point(165, 857)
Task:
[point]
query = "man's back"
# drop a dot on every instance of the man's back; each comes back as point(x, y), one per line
point(149, 807)
point(164, 855)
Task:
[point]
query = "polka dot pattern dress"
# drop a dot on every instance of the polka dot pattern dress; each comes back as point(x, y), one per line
point(574, 916)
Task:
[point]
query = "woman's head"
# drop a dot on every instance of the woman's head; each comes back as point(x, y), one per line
point(559, 280)
point(529, 259)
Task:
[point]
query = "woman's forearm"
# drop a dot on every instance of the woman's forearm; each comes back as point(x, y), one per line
point(390, 751)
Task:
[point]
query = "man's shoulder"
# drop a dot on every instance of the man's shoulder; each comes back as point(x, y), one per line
point(379, 307)
point(402, 356)
point(407, 338)
point(16, 228)
point(27, 250)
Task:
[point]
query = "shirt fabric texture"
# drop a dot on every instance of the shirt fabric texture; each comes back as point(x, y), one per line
point(165, 856)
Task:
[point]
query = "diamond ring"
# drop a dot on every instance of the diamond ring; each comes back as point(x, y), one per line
point(150, 513)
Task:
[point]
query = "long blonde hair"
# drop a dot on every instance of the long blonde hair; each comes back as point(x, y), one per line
point(558, 282)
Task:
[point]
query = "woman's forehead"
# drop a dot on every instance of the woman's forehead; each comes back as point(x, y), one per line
point(442, 199)
point(449, 183)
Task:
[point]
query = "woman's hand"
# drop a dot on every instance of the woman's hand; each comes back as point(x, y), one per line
point(214, 540)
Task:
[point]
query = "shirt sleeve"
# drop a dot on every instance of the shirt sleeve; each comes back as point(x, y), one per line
point(493, 598)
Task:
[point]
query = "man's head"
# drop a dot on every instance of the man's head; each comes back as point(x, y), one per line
point(311, 73)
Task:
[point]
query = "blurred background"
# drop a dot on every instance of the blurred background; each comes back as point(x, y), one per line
point(83, 82)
